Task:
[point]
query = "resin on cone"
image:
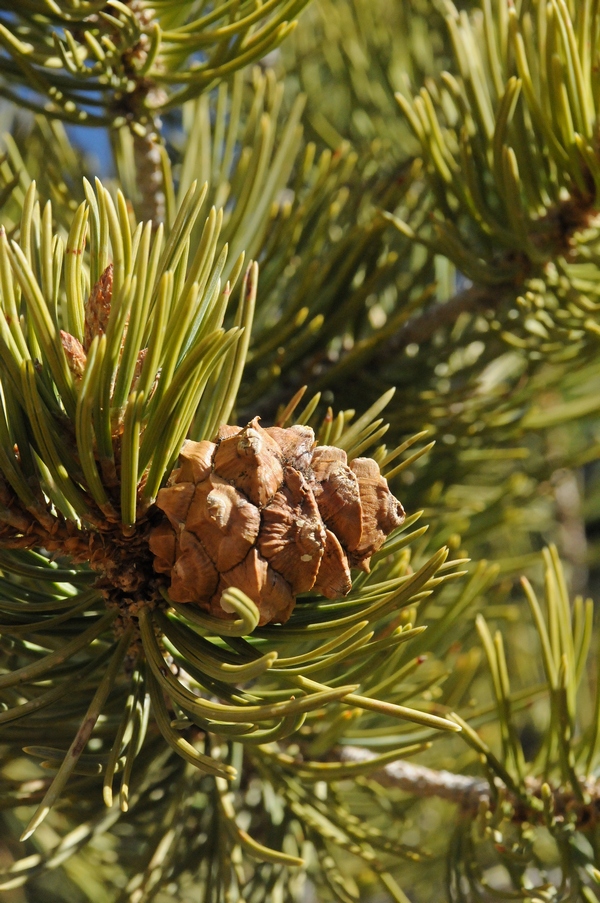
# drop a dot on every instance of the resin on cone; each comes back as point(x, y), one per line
point(268, 512)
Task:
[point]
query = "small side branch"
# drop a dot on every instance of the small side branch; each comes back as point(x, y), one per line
point(580, 808)
point(467, 792)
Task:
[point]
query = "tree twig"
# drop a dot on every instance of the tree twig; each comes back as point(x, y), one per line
point(149, 174)
point(469, 793)
point(466, 791)
point(138, 107)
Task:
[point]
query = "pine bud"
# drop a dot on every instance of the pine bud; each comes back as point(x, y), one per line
point(97, 308)
point(266, 511)
point(97, 315)
point(75, 354)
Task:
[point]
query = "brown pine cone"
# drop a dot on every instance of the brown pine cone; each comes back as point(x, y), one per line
point(266, 511)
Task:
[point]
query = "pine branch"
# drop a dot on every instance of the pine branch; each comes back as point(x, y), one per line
point(149, 174)
point(538, 803)
point(417, 330)
point(418, 780)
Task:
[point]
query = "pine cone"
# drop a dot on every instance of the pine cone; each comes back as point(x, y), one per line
point(266, 511)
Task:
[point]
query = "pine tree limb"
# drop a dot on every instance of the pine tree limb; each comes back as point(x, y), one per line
point(465, 791)
point(538, 804)
point(149, 174)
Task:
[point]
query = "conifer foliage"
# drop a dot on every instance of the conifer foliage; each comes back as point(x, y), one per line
point(298, 451)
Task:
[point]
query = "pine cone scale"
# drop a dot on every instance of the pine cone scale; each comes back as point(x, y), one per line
point(381, 512)
point(194, 578)
point(251, 459)
point(338, 495)
point(163, 546)
point(292, 538)
point(259, 582)
point(196, 461)
point(333, 580)
point(176, 502)
point(224, 521)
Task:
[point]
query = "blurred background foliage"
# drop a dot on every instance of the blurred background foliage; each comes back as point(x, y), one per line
point(443, 242)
